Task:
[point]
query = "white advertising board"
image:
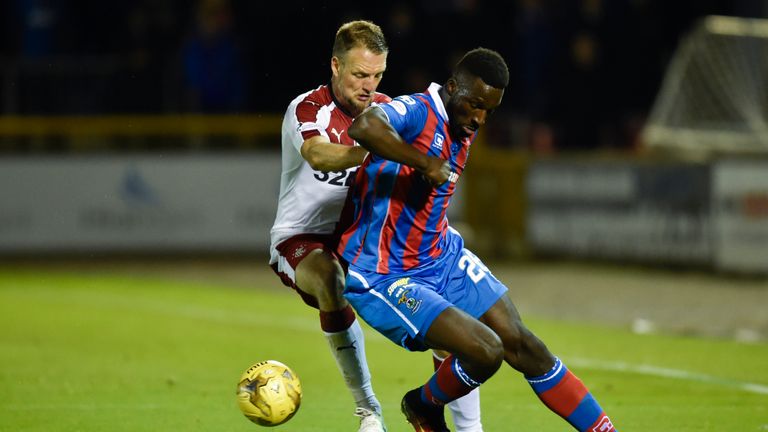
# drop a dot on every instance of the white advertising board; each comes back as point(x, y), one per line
point(138, 202)
point(141, 203)
point(620, 210)
point(740, 209)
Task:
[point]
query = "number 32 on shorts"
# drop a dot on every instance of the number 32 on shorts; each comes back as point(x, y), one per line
point(472, 265)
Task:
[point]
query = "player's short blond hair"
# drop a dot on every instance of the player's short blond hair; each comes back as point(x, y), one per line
point(359, 33)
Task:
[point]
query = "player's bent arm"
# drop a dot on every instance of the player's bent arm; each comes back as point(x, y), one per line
point(323, 155)
point(373, 132)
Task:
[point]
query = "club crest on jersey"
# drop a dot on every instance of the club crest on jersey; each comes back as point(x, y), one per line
point(438, 142)
point(299, 252)
point(410, 303)
point(399, 290)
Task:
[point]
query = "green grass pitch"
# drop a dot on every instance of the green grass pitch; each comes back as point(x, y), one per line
point(110, 352)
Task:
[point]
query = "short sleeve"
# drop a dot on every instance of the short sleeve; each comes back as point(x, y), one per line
point(406, 114)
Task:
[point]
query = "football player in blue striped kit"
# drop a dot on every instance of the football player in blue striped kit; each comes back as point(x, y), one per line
point(410, 276)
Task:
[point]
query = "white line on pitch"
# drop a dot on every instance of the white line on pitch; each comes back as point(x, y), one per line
point(667, 373)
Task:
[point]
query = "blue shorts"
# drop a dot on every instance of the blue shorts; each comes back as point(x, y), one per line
point(402, 306)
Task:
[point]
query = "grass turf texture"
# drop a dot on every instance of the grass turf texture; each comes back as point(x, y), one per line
point(89, 352)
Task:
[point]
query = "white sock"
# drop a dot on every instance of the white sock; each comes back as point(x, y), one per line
point(466, 412)
point(348, 348)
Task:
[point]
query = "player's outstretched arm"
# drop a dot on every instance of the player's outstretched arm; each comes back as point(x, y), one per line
point(323, 155)
point(373, 132)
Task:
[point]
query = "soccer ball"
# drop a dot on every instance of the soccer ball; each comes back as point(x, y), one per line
point(269, 393)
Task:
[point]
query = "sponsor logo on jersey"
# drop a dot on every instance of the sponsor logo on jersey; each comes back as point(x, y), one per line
point(453, 177)
point(407, 99)
point(399, 107)
point(438, 142)
point(398, 283)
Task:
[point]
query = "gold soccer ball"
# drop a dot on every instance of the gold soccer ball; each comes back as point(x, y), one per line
point(269, 393)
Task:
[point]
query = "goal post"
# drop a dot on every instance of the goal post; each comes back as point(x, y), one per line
point(714, 95)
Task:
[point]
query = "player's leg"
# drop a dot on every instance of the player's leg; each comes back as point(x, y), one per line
point(409, 311)
point(320, 275)
point(466, 409)
point(319, 279)
point(468, 286)
point(476, 355)
point(561, 391)
point(556, 386)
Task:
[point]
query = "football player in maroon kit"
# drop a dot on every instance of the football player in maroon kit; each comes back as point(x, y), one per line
point(319, 161)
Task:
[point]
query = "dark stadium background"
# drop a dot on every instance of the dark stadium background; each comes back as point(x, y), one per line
point(91, 57)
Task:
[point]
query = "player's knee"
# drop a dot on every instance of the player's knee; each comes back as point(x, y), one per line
point(514, 339)
point(322, 277)
point(522, 348)
point(488, 352)
point(320, 265)
point(330, 288)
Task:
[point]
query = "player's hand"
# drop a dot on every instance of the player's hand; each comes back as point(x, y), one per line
point(437, 171)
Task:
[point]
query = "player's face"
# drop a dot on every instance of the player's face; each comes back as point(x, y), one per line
point(356, 77)
point(471, 102)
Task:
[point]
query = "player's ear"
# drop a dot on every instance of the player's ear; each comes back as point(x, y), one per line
point(335, 65)
point(451, 85)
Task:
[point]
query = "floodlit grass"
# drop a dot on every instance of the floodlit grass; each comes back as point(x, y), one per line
point(85, 352)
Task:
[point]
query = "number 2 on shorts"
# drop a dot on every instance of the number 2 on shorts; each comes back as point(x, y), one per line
point(473, 266)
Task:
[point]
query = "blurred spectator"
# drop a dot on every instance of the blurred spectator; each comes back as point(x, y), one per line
point(213, 72)
point(406, 72)
point(535, 54)
point(40, 34)
point(585, 72)
point(633, 49)
point(150, 33)
point(580, 100)
point(535, 47)
point(39, 20)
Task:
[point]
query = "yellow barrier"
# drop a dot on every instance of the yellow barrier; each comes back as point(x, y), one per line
point(117, 132)
point(495, 206)
point(78, 126)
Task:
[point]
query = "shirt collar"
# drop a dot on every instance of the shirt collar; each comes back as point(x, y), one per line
point(434, 93)
point(337, 103)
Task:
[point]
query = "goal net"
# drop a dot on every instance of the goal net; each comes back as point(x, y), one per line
point(714, 96)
